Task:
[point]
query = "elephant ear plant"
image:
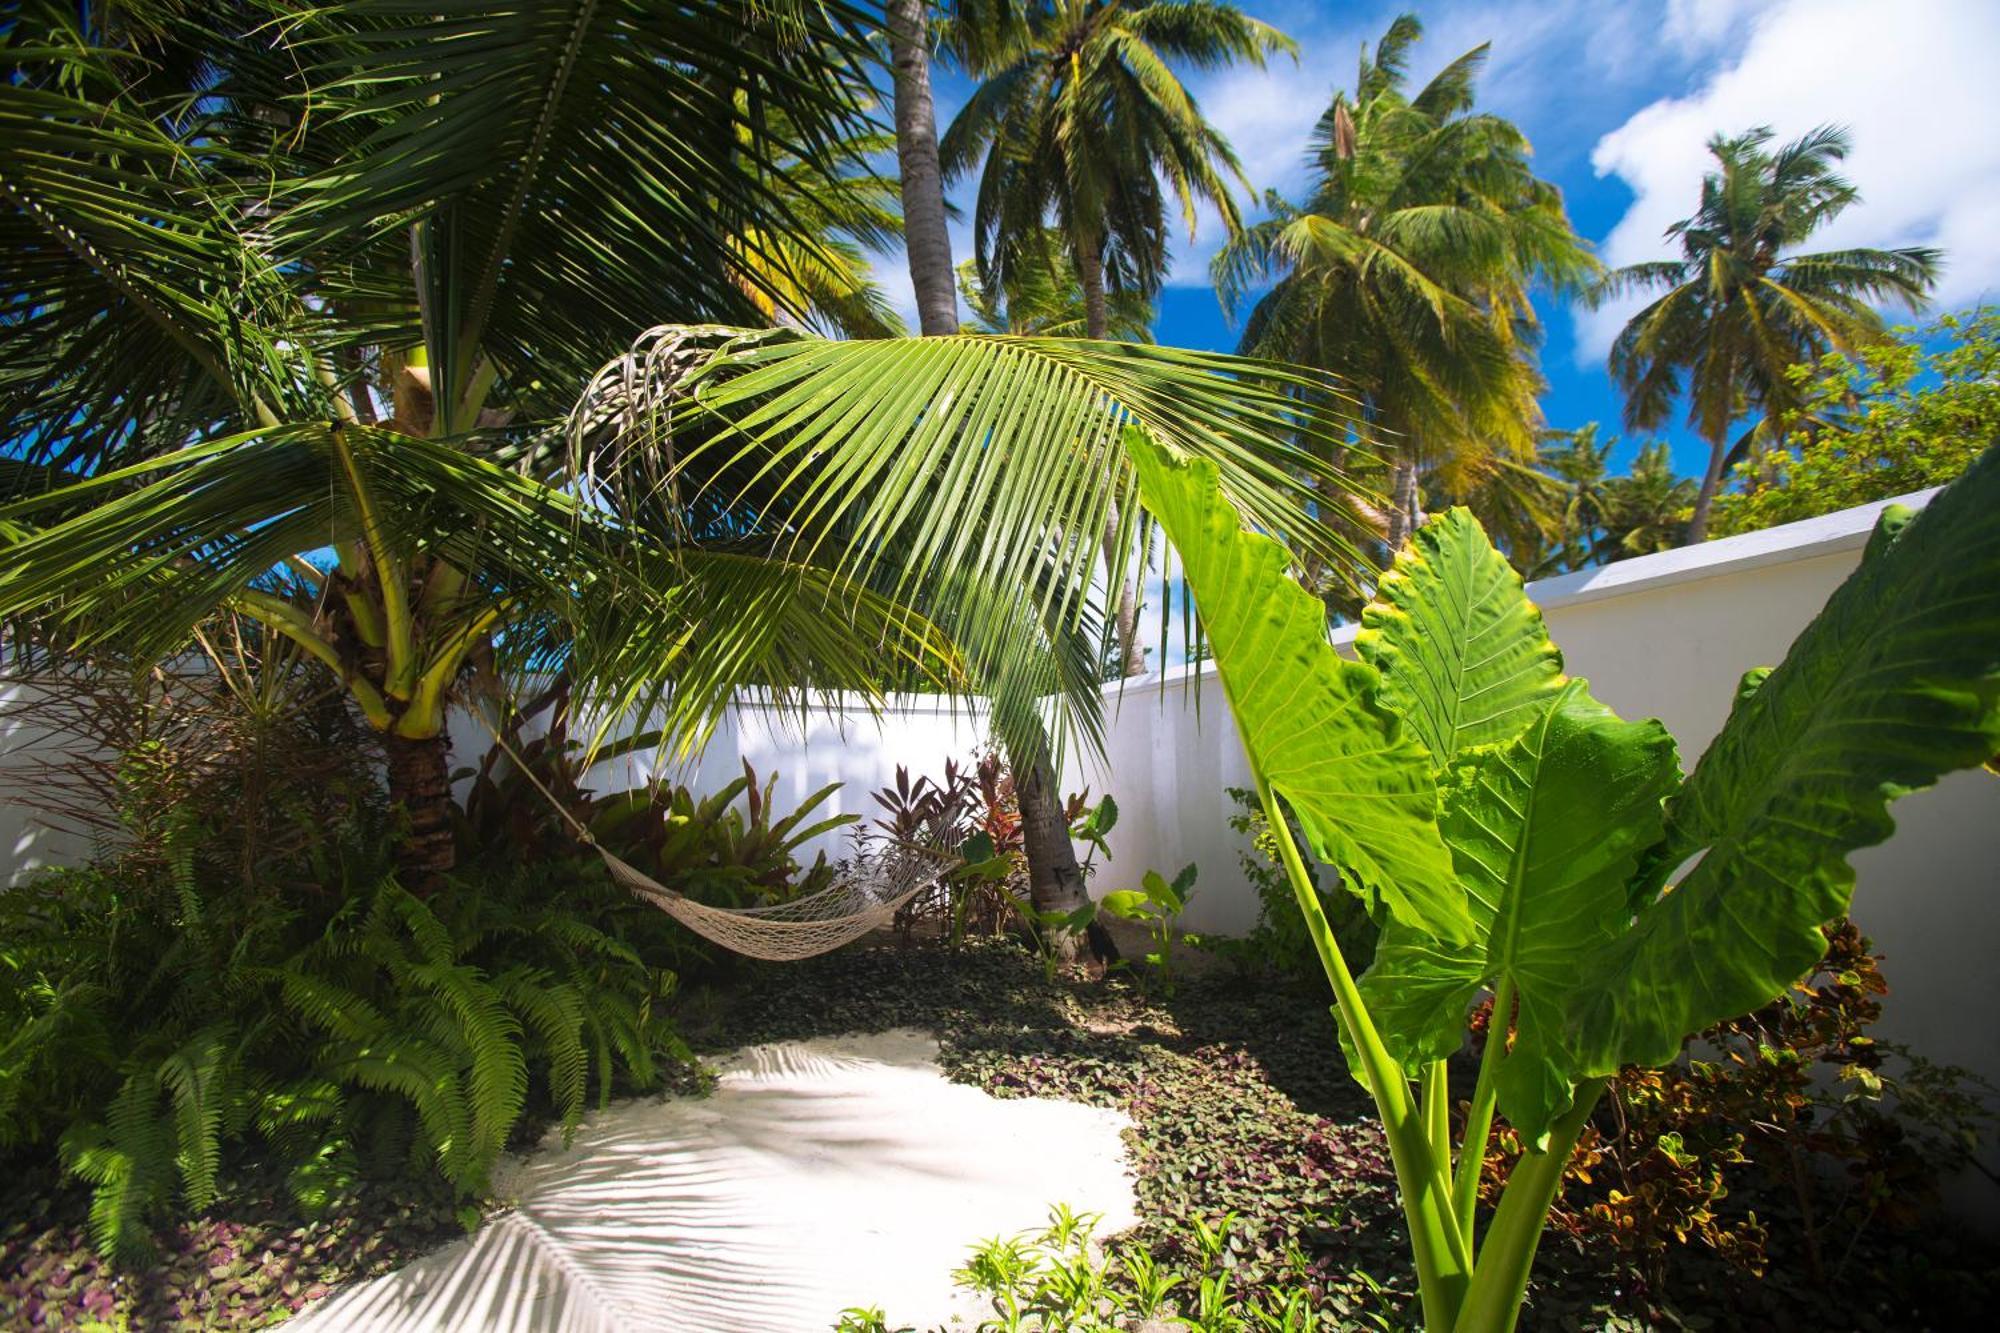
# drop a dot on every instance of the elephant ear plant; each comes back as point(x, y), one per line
point(1513, 835)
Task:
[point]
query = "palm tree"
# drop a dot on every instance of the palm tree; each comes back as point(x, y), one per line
point(1406, 272)
point(342, 302)
point(1048, 303)
point(1739, 310)
point(1577, 462)
point(449, 262)
point(1646, 509)
point(1078, 120)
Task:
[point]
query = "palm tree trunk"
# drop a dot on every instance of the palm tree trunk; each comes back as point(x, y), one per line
point(1096, 325)
point(1704, 499)
point(924, 234)
point(1132, 653)
point(420, 789)
point(1403, 501)
point(1090, 273)
point(1055, 881)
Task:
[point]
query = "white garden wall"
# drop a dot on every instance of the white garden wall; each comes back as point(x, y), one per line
point(1664, 636)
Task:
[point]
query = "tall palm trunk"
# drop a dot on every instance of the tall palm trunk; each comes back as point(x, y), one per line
point(924, 233)
point(1704, 499)
point(1055, 881)
point(1097, 326)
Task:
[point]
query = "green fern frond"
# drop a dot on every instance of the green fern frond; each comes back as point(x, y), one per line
point(198, 1082)
point(128, 1159)
point(332, 1009)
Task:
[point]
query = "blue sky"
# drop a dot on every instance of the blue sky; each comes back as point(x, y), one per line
point(1618, 99)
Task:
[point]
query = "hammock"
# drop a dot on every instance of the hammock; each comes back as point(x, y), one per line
point(865, 895)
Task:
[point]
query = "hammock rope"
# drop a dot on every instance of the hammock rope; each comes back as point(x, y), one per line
point(865, 895)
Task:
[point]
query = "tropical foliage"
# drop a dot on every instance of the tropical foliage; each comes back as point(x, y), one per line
point(1048, 302)
point(1407, 270)
point(272, 295)
point(1581, 514)
point(1520, 836)
point(1084, 129)
point(1081, 122)
point(1741, 307)
point(1891, 418)
point(379, 371)
point(168, 1026)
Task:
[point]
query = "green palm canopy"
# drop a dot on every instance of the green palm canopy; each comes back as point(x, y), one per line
point(1080, 120)
point(1739, 308)
point(304, 347)
point(1407, 269)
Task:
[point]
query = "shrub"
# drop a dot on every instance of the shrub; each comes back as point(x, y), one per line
point(1280, 941)
point(203, 995)
point(1791, 1105)
point(154, 1034)
point(703, 846)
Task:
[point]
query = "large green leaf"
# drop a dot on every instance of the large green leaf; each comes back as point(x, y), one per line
point(1311, 722)
point(1546, 831)
point(1464, 656)
point(1895, 683)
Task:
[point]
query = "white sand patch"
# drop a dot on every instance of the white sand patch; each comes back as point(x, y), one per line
point(822, 1174)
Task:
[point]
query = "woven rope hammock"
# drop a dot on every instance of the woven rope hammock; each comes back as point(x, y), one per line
point(865, 895)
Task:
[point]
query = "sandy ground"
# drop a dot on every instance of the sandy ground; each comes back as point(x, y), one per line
point(819, 1175)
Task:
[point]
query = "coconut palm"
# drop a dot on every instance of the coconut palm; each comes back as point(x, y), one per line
point(1406, 271)
point(1079, 120)
point(302, 348)
point(247, 374)
point(1646, 509)
point(1739, 309)
point(1048, 303)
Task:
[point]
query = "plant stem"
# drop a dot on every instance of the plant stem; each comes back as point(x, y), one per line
point(1439, 1248)
point(1479, 1120)
point(1500, 1283)
point(1437, 1109)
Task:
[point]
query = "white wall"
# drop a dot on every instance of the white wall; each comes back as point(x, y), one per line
point(26, 841)
point(846, 743)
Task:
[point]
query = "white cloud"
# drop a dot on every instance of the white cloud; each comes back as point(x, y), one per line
point(1912, 82)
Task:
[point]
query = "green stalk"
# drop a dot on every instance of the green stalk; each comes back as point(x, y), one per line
point(1443, 1263)
point(1437, 1110)
point(424, 717)
point(1500, 1283)
point(399, 630)
point(1479, 1121)
point(295, 625)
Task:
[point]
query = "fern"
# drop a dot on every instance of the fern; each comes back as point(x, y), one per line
point(554, 1012)
point(129, 1160)
point(151, 1027)
point(198, 1079)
